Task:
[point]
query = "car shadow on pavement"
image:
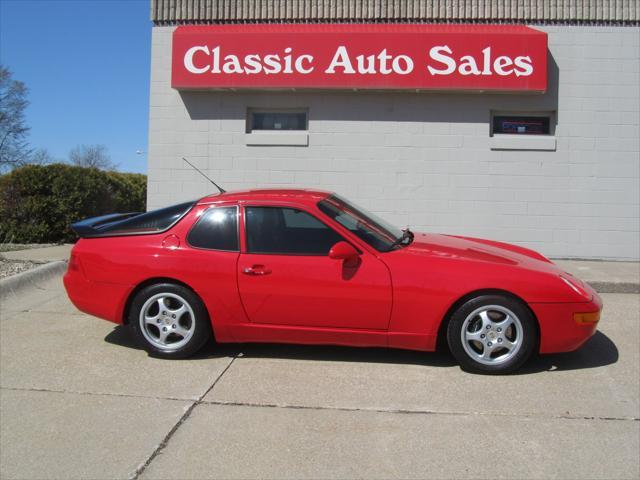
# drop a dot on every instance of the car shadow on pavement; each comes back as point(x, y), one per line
point(597, 352)
point(332, 353)
point(122, 336)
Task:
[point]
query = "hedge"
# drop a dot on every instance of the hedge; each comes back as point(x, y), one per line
point(39, 202)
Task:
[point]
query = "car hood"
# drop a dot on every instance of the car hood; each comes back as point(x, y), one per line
point(475, 263)
point(477, 249)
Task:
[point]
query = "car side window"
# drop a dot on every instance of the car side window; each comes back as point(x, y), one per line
point(287, 231)
point(216, 229)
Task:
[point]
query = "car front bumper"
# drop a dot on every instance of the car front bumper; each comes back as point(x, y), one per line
point(559, 330)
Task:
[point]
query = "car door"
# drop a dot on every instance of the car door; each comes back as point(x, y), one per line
point(286, 277)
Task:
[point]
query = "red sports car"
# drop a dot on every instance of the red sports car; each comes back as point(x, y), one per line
point(305, 266)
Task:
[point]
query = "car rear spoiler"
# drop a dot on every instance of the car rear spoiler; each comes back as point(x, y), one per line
point(96, 226)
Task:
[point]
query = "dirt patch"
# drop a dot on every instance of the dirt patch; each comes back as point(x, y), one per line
point(13, 267)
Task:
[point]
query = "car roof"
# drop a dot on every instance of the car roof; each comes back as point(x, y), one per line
point(268, 194)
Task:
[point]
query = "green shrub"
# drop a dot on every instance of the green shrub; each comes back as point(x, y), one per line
point(39, 202)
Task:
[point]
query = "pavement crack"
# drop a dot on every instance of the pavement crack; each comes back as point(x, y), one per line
point(96, 394)
point(416, 412)
point(165, 441)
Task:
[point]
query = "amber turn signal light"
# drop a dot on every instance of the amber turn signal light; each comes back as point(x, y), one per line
point(584, 318)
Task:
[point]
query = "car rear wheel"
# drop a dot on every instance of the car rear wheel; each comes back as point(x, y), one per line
point(169, 320)
point(492, 334)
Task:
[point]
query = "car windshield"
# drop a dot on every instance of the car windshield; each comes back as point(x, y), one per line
point(378, 233)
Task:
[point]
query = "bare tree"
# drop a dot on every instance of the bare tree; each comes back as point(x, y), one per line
point(92, 156)
point(14, 149)
point(42, 156)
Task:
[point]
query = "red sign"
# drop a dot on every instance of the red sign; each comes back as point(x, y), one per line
point(363, 56)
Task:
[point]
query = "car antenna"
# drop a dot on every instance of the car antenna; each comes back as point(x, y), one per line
point(222, 190)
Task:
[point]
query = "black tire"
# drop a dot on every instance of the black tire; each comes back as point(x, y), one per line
point(484, 316)
point(184, 331)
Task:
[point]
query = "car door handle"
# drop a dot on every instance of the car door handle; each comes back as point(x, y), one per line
point(257, 270)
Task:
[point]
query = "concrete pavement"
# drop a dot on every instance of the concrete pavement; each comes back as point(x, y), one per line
point(79, 400)
point(235, 442)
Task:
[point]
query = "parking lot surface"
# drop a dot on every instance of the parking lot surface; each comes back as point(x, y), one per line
point(79, 400)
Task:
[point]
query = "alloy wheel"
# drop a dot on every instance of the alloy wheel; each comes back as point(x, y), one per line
point(167, 321)
point(492, 335)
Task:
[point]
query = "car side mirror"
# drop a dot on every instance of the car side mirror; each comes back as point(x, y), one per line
point(344, 251)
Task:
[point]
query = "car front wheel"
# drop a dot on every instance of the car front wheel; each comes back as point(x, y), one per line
point(492, 334)
point(169, 320)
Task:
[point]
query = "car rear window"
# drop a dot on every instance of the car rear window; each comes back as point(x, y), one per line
point(217, 229)
point(150, 222)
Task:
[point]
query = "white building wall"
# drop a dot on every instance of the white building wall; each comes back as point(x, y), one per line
point(424, 159)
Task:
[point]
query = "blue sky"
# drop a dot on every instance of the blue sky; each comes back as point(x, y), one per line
point(86, 64)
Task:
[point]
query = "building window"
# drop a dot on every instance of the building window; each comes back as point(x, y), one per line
point(522, 131)
point(277, 127)
point(521, 125)
point(261, 121)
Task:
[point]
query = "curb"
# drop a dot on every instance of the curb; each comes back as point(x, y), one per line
point(615, 287)
point(12, 285)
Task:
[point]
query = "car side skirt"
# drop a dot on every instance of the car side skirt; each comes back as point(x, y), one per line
point(267, 333)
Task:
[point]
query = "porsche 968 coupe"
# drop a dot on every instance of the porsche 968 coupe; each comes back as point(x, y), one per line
point(310, 267)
